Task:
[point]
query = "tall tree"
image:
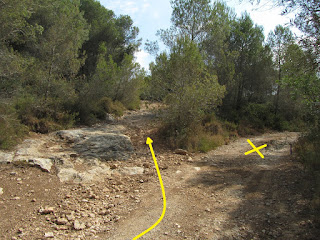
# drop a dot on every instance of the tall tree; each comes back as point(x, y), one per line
point(216, 45)
point(14, 31)
point(307, 20)
point(190, 17)
point(118, 33)
point(301, 74)
point(57, 47)
point(188, 88)
point(247, 39)
point(279, 40)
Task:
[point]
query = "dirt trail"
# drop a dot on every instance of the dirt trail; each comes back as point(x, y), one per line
point(227, 195)
point(219, 195)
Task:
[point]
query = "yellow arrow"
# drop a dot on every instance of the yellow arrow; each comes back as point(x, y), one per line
point(149, 142)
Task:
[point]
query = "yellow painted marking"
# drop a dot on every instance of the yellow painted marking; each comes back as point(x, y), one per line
point(149, 142)
point(255, 149)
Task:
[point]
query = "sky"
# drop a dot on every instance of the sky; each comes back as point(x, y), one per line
point(152, 15)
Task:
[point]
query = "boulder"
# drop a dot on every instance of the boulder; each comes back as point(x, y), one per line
point(108, 146)
point(62, 221)
point(1, 191)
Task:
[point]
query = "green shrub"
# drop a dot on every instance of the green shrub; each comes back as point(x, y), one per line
point(116, 108)
point(308, 150)
point(41, 115)
point(11, 130)
point(259, 116)
point(230, 126)
point(208, 135)
point(209, 142)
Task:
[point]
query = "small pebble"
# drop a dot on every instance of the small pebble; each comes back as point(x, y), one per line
point(49, 235)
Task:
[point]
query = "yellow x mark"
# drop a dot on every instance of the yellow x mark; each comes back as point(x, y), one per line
point(255, 149)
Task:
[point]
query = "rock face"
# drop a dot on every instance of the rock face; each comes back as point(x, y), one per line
point(92, 174)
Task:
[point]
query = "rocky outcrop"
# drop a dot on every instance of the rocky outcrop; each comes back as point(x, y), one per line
point(107, 147)
point(103, 143)
point(6, 157)
point(43, 163)
point(77, 155)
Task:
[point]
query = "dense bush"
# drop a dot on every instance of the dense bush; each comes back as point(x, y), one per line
point(190, 92)
point(42, 116)
point(116, 108)
point(60, 59)
point(11, 130)
point(308, 151)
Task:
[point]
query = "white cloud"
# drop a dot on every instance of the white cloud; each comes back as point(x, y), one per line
point(128, 7)
point(156, 15)
point(143, 58)
point(145, 6)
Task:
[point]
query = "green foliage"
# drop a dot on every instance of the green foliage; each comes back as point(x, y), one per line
point(42, 116)
point(14, 21)
point(188, 92)
point(190, 17)
point(59, 59)
point(117, 33)
point(208, 142)
point(119, 82)
point(11, 130)
point(307, 20)
point(204, 137)
point(116, 108)
point(217, 43)
point(252, 64)
point(308, 150)
point(279, 40)
point(301, 74)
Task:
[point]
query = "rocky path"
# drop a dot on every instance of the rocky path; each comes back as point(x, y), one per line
point(220, 195)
